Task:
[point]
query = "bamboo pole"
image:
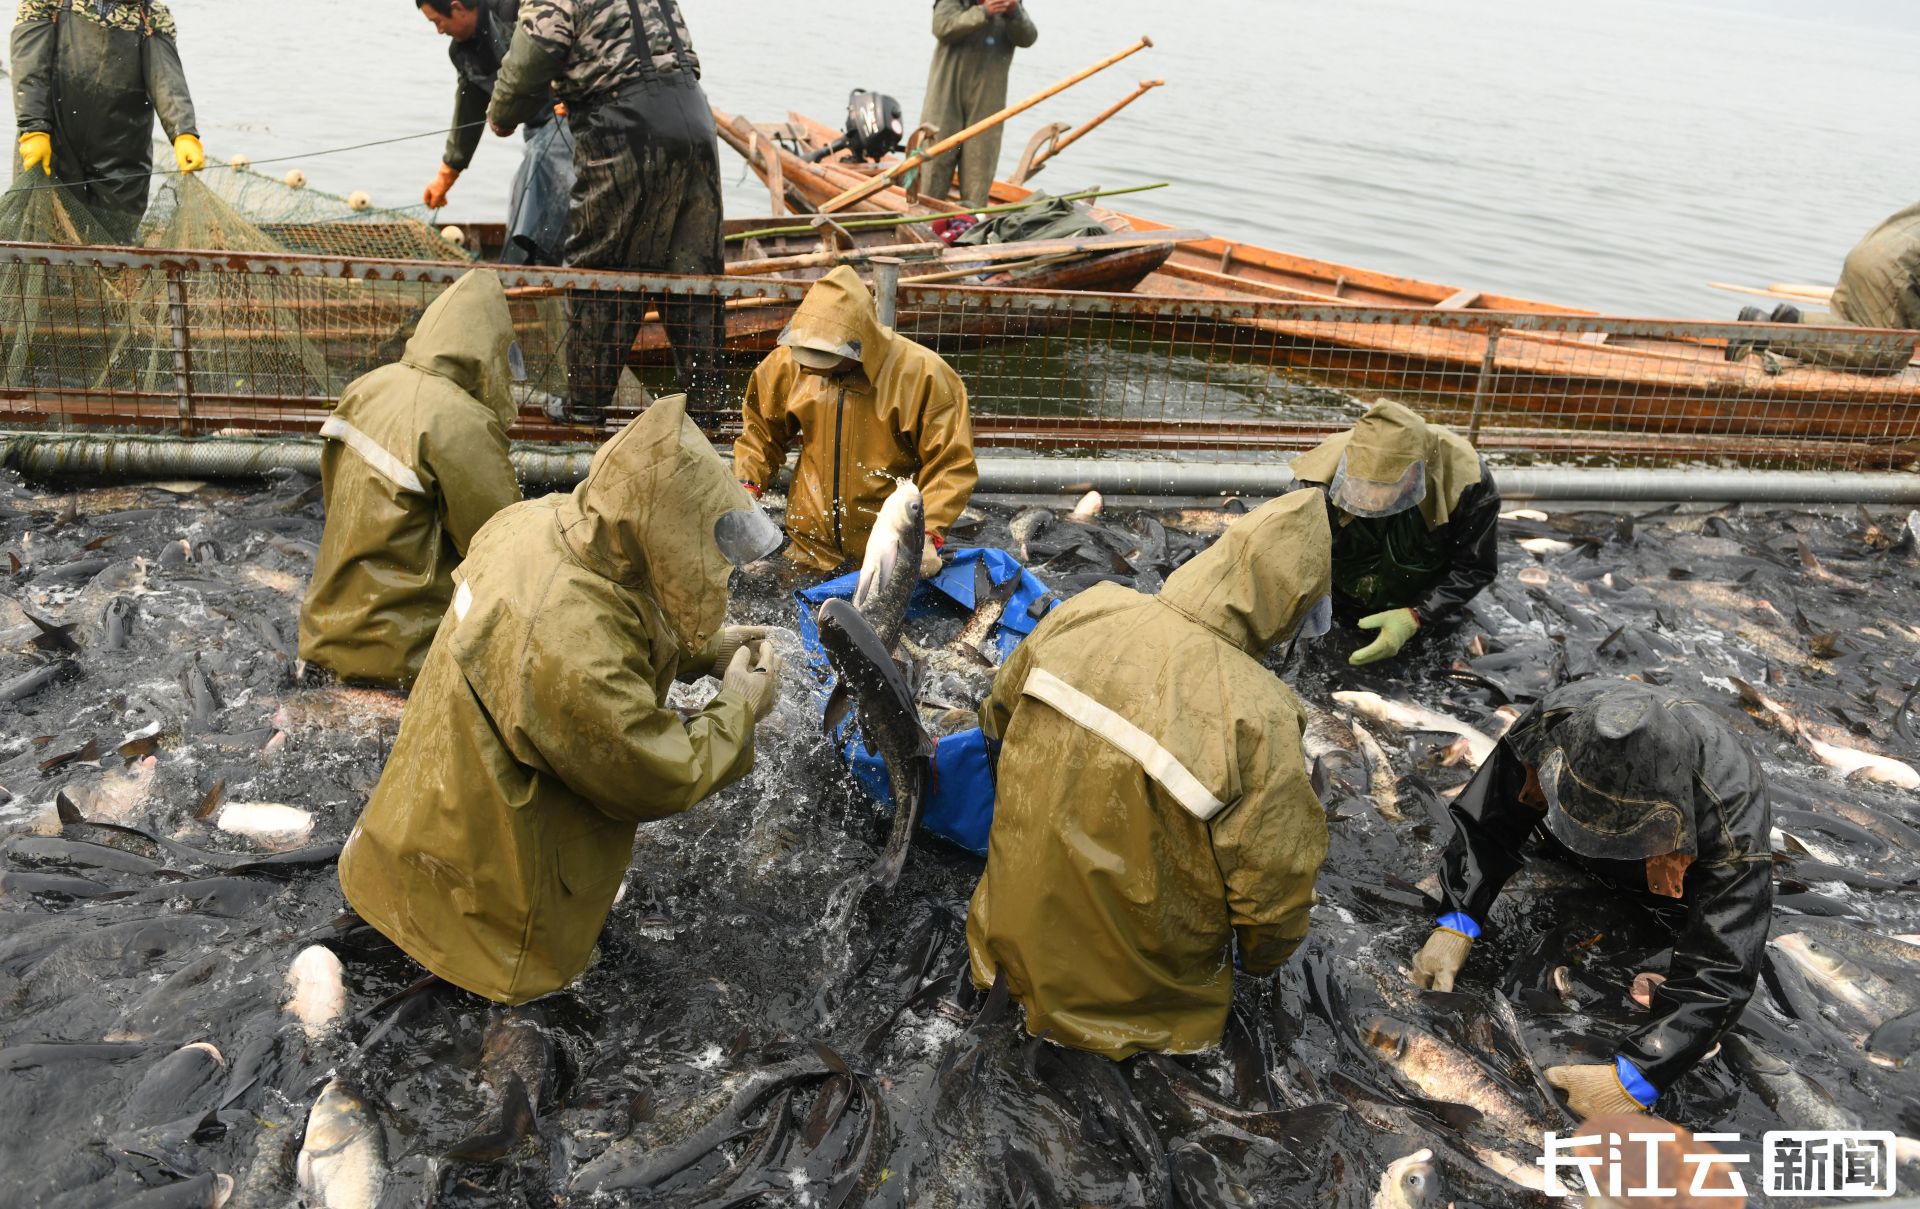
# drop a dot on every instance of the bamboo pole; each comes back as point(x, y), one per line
point(900, 220)
point(884, 179)
point(1797, 294)
point(1067, 140)
point(984, 253)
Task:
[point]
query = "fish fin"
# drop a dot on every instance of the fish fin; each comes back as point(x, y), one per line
point(516, 1122)
point(69, 813)
point(211, 802)
point(839, 701)
point(832, 1058)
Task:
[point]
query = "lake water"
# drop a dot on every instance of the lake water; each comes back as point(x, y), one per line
point(1611, 156)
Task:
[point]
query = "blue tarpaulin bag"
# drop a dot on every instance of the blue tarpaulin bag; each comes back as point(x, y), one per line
point(959, 805)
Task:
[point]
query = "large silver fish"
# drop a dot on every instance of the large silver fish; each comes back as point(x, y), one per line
point(342, 1162)
point(891, 568)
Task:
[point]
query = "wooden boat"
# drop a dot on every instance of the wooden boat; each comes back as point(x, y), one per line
point(753, 329)
point(1508, 361)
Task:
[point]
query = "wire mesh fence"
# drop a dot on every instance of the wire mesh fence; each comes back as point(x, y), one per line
point(235, 341)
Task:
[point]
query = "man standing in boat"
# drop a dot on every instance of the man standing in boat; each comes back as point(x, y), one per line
point(88, 78)
point(646, 192)
point(1415, 519)
point(869, 407)
point(975, 41)
point(481, 32)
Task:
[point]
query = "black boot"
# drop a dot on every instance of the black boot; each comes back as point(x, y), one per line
point(1786, 312)
point(1737, 348)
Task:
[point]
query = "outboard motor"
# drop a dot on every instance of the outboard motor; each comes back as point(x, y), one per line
point(874, 128)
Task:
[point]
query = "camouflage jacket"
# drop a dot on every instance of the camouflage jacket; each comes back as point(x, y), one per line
point(132, 16)
point(586, 48)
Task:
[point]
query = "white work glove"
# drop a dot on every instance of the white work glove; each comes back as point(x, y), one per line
point(929, 559)
point(754, 673)
point(731, 639)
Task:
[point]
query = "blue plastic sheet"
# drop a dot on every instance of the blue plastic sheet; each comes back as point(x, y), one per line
point(959, 805)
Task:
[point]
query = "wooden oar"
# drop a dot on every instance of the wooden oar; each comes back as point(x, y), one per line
point(1051, 142)
point(884, 179)
point(901, 220)
point(984, 254)
point(1788, 293)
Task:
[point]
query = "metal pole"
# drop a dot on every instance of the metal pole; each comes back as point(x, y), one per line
point(52, 454)
point(1483, 385)
point(182, 347)
point(886, 287)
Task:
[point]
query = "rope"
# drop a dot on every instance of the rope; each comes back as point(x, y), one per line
point(55, 183)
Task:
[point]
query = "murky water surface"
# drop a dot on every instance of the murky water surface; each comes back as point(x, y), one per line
point(1615, 157)
point(730, 1046)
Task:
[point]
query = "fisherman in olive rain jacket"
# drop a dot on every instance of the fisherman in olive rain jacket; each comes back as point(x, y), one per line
point(415, 462)
point(540, 735)
point(1154, 826)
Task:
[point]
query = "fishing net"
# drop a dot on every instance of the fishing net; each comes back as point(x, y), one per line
point(242, 341)
point(54, 314)
point(228, 348)
point(297, 218)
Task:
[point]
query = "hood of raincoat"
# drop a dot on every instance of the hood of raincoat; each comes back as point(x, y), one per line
point(1380, 448)
point(465, 336)
point(1262, 577)
point(838, 316)
point(645, 516)
point(1618, 777)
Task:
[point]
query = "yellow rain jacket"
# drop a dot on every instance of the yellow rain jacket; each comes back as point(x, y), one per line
point(1154, 811)
point(415, 462)
point(539, 736)
point(902, 413)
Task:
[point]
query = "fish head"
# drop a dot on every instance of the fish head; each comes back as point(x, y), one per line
point(1385, 1036)
point(1814, 959)
point(336, 1119)
point(1413, 1181)
point(893, 548)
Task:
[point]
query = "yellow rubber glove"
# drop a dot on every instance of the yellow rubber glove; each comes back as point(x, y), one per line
point(188, 154)
point(36, 151)
point(1397, 627)
point(1438, 962)
point(1593, 1090)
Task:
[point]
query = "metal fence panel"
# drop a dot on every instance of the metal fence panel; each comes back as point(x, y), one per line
point(212, 342)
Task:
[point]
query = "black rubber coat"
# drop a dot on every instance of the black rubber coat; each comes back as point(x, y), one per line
point(1395, 562)
point(1727, 899)
point(95, 86)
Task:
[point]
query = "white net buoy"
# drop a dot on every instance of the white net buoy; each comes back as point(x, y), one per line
point(454, 236)
point(358, 200)
point(240, 163)
point(294, 179)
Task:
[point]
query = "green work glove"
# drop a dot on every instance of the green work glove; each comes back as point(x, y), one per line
point(730, 640)
point(754, 673)
point(1396, 626)
point(1438, 962)
point(1593, 1090)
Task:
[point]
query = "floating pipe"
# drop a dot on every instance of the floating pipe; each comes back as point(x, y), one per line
point(56, 455)
point(60, 455)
